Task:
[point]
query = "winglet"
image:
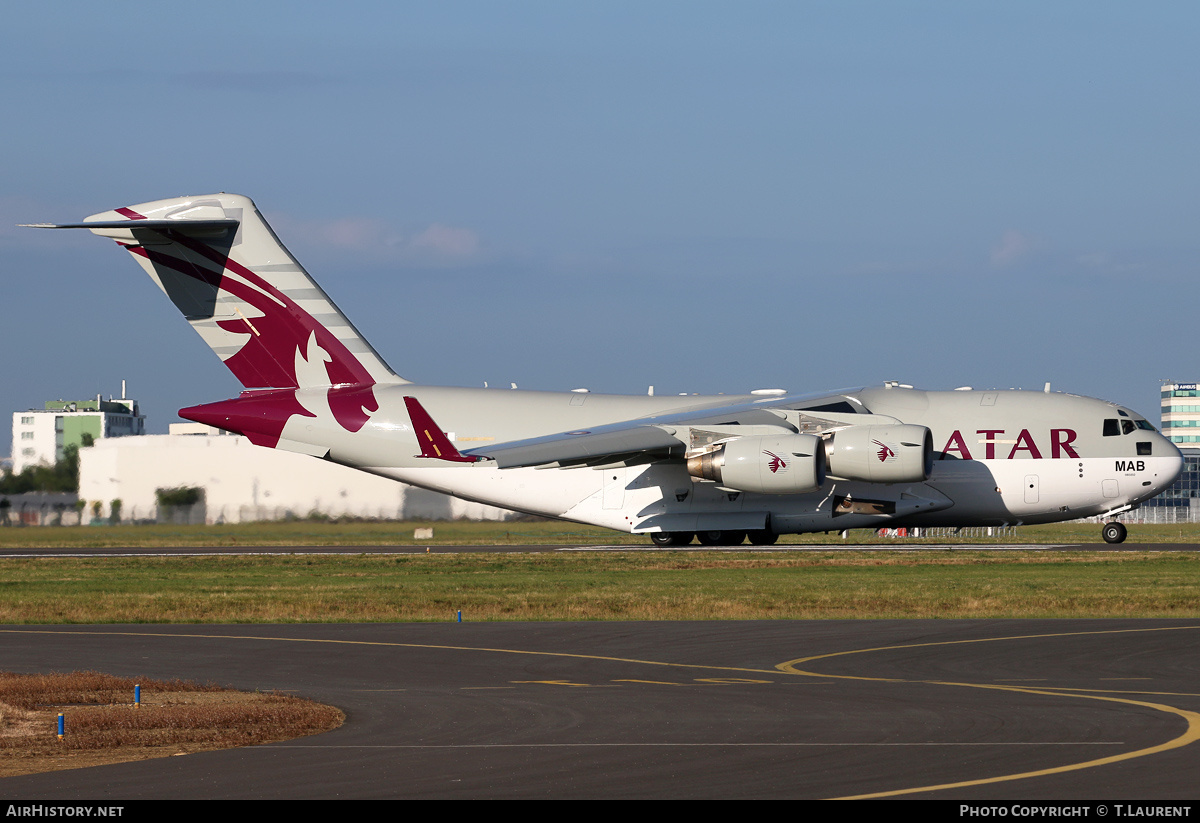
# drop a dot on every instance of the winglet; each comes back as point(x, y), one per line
point(432, 439)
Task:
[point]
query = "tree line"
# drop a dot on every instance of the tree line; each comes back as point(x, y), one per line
point(63, 476)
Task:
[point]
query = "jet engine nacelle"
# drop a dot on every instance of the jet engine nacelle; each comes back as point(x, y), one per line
point(774, 464)
point(901, 453)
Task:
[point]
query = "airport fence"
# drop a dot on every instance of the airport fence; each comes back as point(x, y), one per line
point(997, 532)
point(1155, 514)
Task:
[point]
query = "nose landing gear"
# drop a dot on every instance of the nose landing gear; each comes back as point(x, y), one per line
point(1114, 532)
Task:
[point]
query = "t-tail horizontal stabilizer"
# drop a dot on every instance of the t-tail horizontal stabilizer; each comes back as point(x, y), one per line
point(432, 439)
point(223, 268)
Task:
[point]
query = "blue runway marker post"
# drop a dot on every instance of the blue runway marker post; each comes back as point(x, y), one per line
point(460, 615)
point(137, 696)
point(61, 726)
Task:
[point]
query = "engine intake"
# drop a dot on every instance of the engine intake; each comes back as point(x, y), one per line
point(777, 464)
point(901, 453)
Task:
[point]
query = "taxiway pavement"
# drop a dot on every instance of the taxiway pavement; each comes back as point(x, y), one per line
point(1024, 709)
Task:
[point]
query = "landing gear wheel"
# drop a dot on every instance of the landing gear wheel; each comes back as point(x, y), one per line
point(1114, 532)
point(671, 538)
point(718, 538)
point(762, 537)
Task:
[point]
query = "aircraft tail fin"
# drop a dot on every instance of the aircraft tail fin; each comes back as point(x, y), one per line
point(222, 266)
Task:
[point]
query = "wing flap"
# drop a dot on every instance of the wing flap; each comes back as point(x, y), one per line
point(582, 446)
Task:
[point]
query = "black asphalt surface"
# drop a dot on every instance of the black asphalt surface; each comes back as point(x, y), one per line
point(1021, 709)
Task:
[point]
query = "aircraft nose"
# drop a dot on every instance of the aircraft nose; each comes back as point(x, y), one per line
point(1172, 464)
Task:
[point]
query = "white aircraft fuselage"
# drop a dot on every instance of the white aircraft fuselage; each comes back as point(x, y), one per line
point(672, 466)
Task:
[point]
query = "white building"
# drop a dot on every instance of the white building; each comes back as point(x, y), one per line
point(1180, 424)
point(1181, 414)
point(41, 435)
point(242, 482)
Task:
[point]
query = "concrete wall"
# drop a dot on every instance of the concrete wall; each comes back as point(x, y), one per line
point(243, 482)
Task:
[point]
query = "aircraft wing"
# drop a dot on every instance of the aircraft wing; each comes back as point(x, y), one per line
point(647, 438)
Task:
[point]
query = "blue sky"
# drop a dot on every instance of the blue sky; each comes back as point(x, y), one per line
point(701, 196)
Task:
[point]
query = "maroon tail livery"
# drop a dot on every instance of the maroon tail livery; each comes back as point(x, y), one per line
point(257, 308)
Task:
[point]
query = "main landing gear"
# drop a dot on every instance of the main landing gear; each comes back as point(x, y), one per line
point(1114, 532)
point(719, 538)
point(671, 538)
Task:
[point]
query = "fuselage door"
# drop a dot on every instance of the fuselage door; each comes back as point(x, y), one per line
point(614, 487)
point(1031, 488)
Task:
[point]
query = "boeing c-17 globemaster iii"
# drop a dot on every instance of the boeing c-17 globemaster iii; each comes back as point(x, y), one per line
point(717, 468)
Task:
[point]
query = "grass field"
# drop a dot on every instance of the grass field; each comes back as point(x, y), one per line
point(872, 582)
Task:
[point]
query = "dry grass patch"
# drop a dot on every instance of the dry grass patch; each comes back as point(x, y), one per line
point(102, 726)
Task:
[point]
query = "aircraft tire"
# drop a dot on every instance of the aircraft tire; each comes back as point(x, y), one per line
point(671, 538)
point(721, 538)
point(762, 537)
point(1114, 532)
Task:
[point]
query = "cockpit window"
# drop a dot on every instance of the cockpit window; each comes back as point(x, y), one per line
point(1114, 427)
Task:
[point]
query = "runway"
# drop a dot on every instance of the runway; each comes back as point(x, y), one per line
point(1022, 709)
point(197, 551)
